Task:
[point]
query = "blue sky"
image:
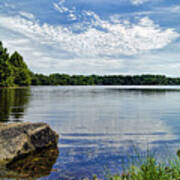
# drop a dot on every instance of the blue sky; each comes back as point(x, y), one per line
point(94, 36)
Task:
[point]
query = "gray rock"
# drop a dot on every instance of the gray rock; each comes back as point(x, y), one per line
point(33, 166)
point(19, 139)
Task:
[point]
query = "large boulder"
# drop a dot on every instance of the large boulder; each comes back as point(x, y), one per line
point(20, 139)
point(33, 166)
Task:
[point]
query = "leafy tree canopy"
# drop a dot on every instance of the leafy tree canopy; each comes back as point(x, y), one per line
point(13, 69)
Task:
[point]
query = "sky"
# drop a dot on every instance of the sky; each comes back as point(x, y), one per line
point(94, 36)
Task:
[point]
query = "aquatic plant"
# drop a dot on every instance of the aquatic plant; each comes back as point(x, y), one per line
point(150, 169)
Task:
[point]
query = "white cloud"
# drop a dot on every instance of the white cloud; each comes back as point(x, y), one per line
point(117, 39)
point(9, 5)
point(172, 9)
point(60, 7)
point(137, 2)
point(27, 15)
point(99, 48)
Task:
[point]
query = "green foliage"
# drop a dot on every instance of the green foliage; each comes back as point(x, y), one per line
point(21, 72)
point(6, 73)
point(13, 70)
point(151, 170)
point(40, 79)
point(64, 79)
point(147, 167)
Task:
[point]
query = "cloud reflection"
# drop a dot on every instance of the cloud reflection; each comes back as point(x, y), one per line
point(100, 125)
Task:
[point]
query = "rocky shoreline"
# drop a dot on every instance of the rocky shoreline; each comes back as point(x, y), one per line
point(17, 140)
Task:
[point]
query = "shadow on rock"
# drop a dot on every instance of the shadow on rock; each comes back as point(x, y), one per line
point(35, 165)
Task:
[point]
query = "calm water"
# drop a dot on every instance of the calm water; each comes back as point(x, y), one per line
point(99, 127)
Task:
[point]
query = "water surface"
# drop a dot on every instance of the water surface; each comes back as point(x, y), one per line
point(99, 126)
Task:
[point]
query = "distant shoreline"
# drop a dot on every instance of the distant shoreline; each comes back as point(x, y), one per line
point(15, 73)
point(105, 80)
point(16, 87)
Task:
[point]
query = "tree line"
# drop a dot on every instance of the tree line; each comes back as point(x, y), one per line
point(15, 72)
point(65, 79)
point(13, 69)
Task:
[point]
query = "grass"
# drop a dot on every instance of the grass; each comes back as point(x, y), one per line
point(150, 169)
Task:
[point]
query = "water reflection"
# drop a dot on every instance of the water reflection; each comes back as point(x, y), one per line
point(99, 126)
point(36, 165)
point(13, 103)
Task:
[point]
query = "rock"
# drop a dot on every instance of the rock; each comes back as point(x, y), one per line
point(19, 139)
point(36, 165)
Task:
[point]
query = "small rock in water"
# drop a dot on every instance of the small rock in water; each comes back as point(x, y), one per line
point(19, 139)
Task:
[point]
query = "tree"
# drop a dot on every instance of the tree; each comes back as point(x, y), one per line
point(21, 72)
point(6, 72)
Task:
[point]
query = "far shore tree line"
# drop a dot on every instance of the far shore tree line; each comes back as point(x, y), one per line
point(15, 72)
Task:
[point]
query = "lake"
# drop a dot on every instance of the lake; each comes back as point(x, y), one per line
point(100, 127)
